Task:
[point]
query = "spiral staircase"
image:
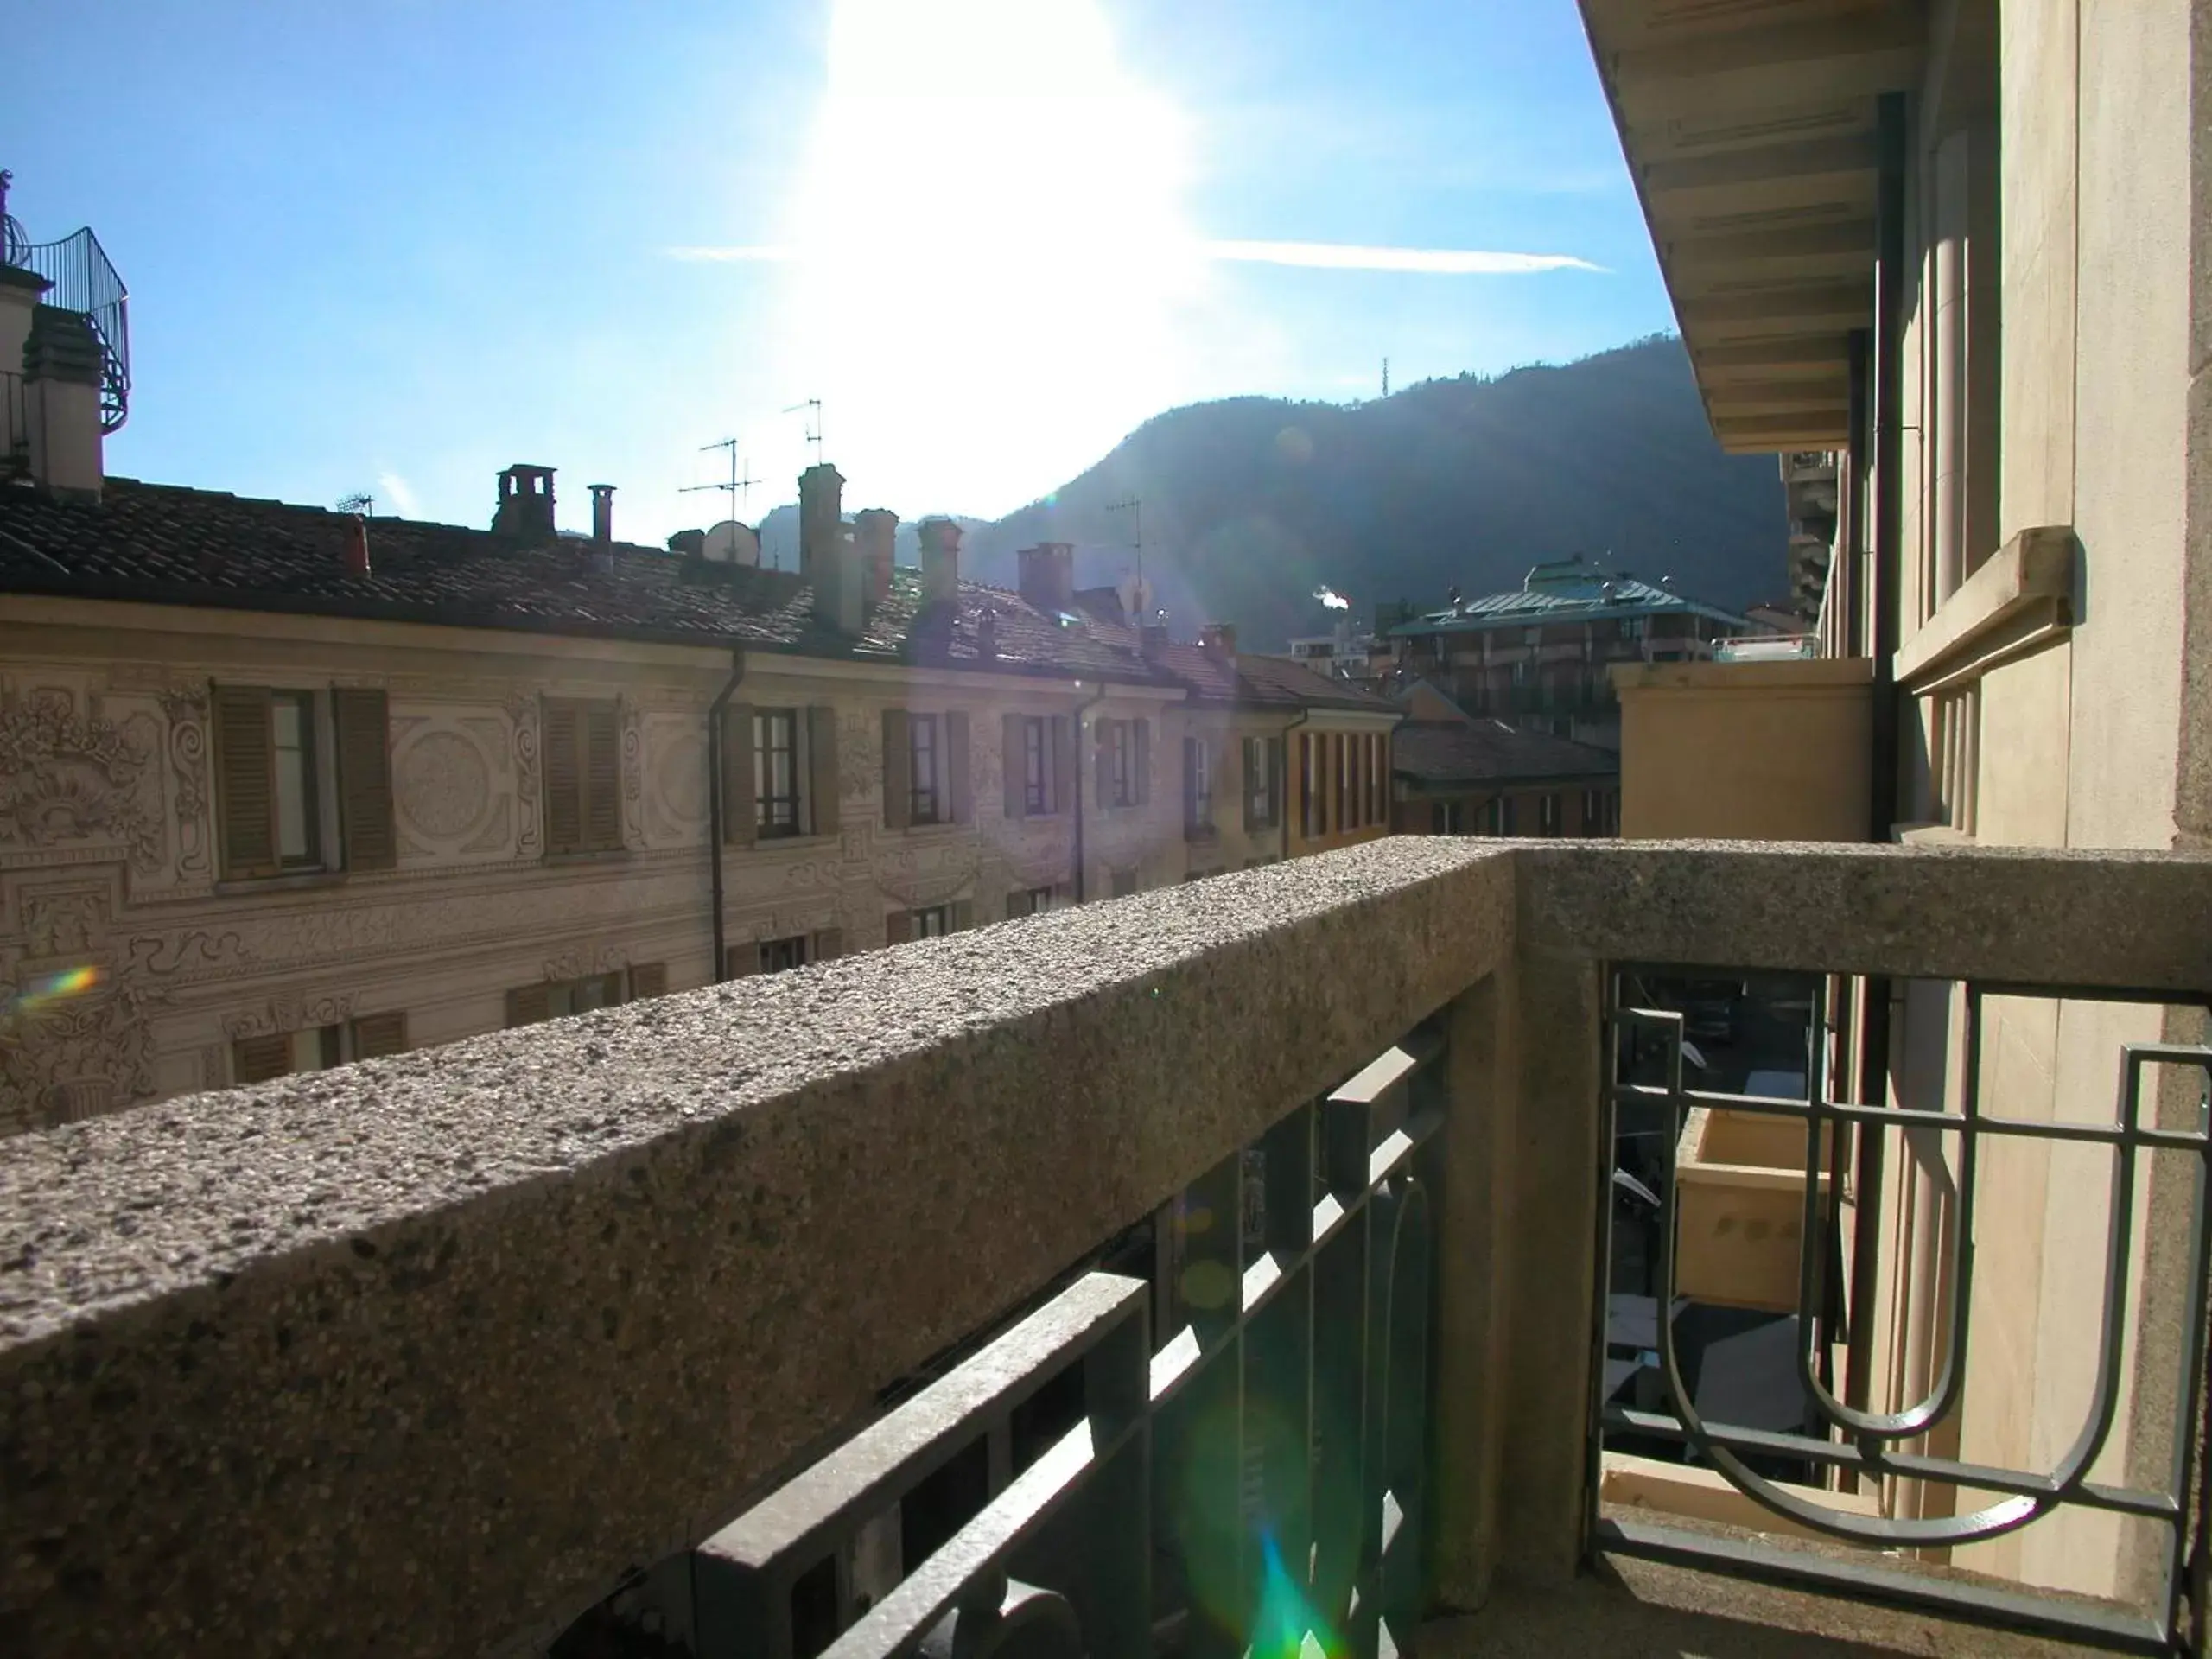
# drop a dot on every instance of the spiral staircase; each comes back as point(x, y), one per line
point(82, 281)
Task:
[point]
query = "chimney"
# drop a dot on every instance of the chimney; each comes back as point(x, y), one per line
point(987, 636)
point(61, 402)
point(1048, 575)
point(602, 513)
point(19, 295)
point(940, 560)
point(1219, 640)
point(826, 558)
point(525, 510)
point(691, 544)
point(875, 537)
point(1153, 636)
point(356, 545)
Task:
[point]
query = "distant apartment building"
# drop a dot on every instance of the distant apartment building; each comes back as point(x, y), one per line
point(1463, 774)
point(1537, 656)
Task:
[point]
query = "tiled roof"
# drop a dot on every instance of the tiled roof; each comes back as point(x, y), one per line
point(1440, 753)
point(1567, 590)
point(158, 543)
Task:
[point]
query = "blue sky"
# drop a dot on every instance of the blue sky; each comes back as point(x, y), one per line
point(396, 245)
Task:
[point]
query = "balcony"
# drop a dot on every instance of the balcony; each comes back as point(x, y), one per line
point(1128, 1279)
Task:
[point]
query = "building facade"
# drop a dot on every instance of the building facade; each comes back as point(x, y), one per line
point(1972, 315)
point(281, 788)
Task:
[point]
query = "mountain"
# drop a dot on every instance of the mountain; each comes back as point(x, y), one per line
point(1252, 504)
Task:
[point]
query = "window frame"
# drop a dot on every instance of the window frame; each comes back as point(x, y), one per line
point(1120, 762)
point(1036, 767)
point(307, 707)
point(767, 723)
point(1198, 785)
point(1551, 813)
point(785, 954)
point(926, 802)
point(932, 922)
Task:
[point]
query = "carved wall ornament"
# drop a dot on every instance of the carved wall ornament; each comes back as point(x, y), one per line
point(67, 776)
point(185, 953)
point(185, 707)
point(680, 776)
point(75, 1058)
point(290, 1012)
point(65, 922)
point(859, 755)
point(578, 961)
point(522, 710)
point(443, 784)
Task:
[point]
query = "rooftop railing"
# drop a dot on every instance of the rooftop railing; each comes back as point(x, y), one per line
point(1247, 1296)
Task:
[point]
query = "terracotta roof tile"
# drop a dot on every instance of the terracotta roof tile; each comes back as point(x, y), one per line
point(1444, 751)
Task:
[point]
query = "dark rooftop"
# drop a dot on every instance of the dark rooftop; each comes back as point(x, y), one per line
point(1442, 752)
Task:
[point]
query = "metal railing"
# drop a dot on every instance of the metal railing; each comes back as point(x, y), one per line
point(83, 280)
point(1220, 1449)
point(1974, 1502)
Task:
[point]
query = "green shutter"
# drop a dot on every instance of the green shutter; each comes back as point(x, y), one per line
point(960, 784)
point(602, 777)
point(364, 728)
point(897, 769)
point(564, 823)
point(822, 768)
point(1014, 762)
point(245, 773)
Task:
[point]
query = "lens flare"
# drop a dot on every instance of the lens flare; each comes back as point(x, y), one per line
point(50, 989)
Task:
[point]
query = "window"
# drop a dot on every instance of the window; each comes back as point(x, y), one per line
point(1634, 627)
point(1122, 882)
point(1532, 636)
point(1449, 817)
point(1597, 812)
point(1498, 815)
point(281, 1053)
point(776, 772)
point(1521, 673)
point(1309, 781)
point(1547, 815)
point(1124, 762)
point(282, 805)
point(583, 777)
point(1262, 769)
point(925, 773)
point(781, 955)
point(1036, 769)
point(1028, 901)
point(933, 923)
point(1198, 787)
point(556, 999)
point(1121, 747)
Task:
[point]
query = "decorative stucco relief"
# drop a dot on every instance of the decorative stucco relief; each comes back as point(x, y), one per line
point(633, 772)
point(860, 756)
point(290, 1011)
point(185, 707)
point(84, 1052)
point(680, 775)
point(198, 950)
point(442, 784)
point(69, 786)
point(580, 960)
point(522, 714)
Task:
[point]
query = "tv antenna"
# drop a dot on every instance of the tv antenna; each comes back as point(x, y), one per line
point(736, 488)
point(813, 406)
point(360, 501)
point(1134, 506)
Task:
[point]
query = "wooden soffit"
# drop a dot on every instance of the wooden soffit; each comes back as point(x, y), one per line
point(1748, 126)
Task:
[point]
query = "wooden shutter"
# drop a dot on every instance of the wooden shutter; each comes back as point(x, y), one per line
point(740, 805)
point(821, 774)
point(245, 771)
point(602, 777)
point(1191, 782)
point(648, 979)
point(379, 1033)
point(528, 1004)
point(564, 815)
point(364, 728)
point(1061, 784)
point(257, 1059)
point(1102, 736)
point(897, 769)
point(1014, 762)
point(1141, 759)
point(1248, 753)
point(964, 915)
point(1278, 778)
point(960, 782)
point(740, 961)
point(829, 945)
point(899, 927)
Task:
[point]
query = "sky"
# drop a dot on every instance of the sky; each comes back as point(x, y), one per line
point(393, 245)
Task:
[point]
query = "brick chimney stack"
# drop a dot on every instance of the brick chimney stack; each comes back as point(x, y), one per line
point(602, 513)
point(875, 537)
point(1218, 639)
point(525, 510)
point(826, 556)
point(1047, 578)
point(940, 560)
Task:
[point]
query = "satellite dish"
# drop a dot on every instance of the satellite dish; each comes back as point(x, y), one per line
point(731, 543)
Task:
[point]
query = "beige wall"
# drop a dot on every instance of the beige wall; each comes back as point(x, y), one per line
point(108, 834)
point(1744, 751)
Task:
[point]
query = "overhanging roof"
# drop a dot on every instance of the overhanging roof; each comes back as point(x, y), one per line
point(1749, 127)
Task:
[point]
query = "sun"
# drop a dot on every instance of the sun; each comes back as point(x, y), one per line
point(991, 249)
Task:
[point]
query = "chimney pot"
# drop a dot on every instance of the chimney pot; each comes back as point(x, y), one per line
point(1047, 577)
point(1154, 636)
point(940, 539)
point(1218, 639)
point(602, 513)
point(356, 545)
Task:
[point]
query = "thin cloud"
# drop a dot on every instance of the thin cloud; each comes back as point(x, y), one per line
point(1314, 255)
point(398, 491)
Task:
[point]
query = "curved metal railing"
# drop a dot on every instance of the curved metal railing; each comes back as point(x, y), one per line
point(83, 280)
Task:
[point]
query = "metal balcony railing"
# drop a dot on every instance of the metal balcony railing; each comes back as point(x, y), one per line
point(83, 280)
point(1127, 1276)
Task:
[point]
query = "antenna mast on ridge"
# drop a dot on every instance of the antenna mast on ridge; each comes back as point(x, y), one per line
point(736, 489)
point(813, 406)
point(1134, 506)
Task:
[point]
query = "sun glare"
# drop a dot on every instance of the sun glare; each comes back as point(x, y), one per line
point(990, 250)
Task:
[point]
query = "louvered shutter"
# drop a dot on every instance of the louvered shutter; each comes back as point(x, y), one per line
point(364, 728)
point(822, 768)
point(829, 945)
point(1278, 778)
point(246, 781)
point(960, 782)
point(257, 1059)
point(602, 777)
point(1248, 754)
point(964, 915)
point(564, 820)
point(379, 1033)
point(741, 793)
point(1061, 781)
point(897, 769)
point(528, 1004)
point(1102, 736)
point(899, 927)
point(1141, 748)
point(1191, 783)
point(648, 979)
point(740, 961)
point(1014, 763)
